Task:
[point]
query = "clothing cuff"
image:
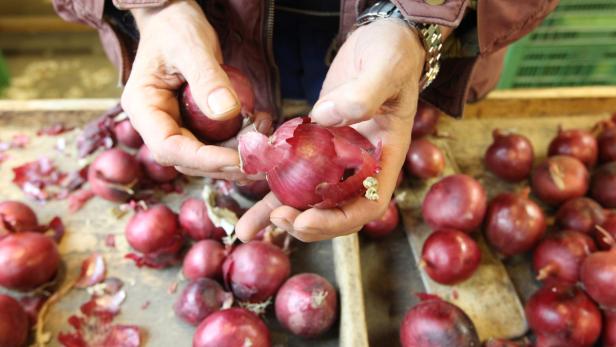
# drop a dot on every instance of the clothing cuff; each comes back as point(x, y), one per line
point(448, 13)
point(130, 4)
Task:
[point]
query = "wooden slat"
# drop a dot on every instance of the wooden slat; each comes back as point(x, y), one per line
point(39, 24)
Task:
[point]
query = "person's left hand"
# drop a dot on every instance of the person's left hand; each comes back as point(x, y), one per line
point(372, 84)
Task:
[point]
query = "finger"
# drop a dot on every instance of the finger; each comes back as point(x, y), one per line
point(311, 236)
point(233, 176)
point(284, 216)
point(256, 218)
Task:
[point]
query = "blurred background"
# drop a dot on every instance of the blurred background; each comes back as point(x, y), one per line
point(43, 57)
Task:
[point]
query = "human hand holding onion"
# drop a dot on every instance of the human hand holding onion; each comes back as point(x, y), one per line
point(372, 85)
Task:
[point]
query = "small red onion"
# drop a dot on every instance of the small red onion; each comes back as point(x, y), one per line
point(450, 256)
point(581, 214)
point(576, 143)
point(607, 144)
point(199, 299)
point(312, 166)
point(254, 191)
point(113, 174)
point(510, 156)
point(306, 305)
point(385, 225)
point(196, 223)
point(560, 178)
point(127, 135)
point(154, 231)
point(14, 325)
point(609, 329)
point(17, 216)
point(559, 257)
point(426, 119)
point(204, 259)
point(154, 170)
point(424, 159)
point(456, 202)
point(603, 185)
point(210, 130)
point(514, 223)
point(598, 274)
point(605, 234)
point(230, 328)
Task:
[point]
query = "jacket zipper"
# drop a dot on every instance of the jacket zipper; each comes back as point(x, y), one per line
point(269, 52)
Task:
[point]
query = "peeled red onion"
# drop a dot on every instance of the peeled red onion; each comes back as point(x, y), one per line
point(510, 156)
point(598, 274)
point(308, 165)
point(196, 223)
point(607, 144)
point(113, 174)
point(204, 259)
point(230, 328)
point(154, 170)
point(576, 143)
point(254, 190)
point(127, 135)
point(199, 299)
point(456, 202)
point(565, 313)
point(560, 256)
point(385, 225)
point(210, 130)
point(14, 324)
point(255, 270)
point(514, 223)
point(17, 216)
point(306, 305)
point(560, 178)
point(581, 214)
point(603, 185)
point(424, 159)
point(154, 231)
point(609, 329)
point(450, 256)
point(437, 323)
point(27, 260)
point(426, 119)
point(605, 234)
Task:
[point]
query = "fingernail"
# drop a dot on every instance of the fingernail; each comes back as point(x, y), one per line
point(263, 126)
point(326, 114)
point(221, 101)
point(232, 168)
point(282, 223)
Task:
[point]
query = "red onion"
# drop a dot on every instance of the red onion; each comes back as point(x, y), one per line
point(311, 166)
point(199, 299)
point(607, 144)
point(605, 234)
point(154, 231)
point(254, 191)
point(450, 256)
point(113, 174)
point(255, 270)
point(27, 260)
point(559, 178)
point(210, 130)
point(426, 119)
point(204, 259)
point(598, 274)
point(609, 329)
point(196, 223)
point(456, 202)
point(603, 185)
point(565, 313)
point(127, 135)
point(576, 143)
point(581, 214)
point(385, 225)
point(32, 305)
point(559, 257)
point(500, 343)
point(306, 305)
point(17, 216)
point(437, 323)
point(510, 156)
point(424, 160)
point(232, 327)
point(154, 170)
point(14, 324)
point(514, 223)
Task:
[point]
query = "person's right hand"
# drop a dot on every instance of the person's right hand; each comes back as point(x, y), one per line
point(177, 45)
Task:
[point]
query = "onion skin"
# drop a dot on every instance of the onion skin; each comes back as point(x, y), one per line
point(456, 202)
point(581, 214)
point(27, 260)
point(204, 259)
point(450, 256)
point(609, 329)
point(436, 323)
point(514, 223)
point(560, 178)
point(606, 242)
point(565, 313)
point(155, 171)
point(255, 270)
point(559, 257)
point(254, 191)
point(510, 156)
point(426, 120)
point(424, 159)
point(200, 299)
point(306, 305)
point(576, 143)
point(385, 225)
point(603, 186)
point(154, 231)
point(14, 325)
point(113, 167)
point(18, 216)
point(233, 327)
point(196, 223)
point(607, 144)
point(598, 275)
point(127, 135)
point(210, 130)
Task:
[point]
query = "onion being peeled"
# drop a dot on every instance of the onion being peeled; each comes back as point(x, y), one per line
point(308, 165)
